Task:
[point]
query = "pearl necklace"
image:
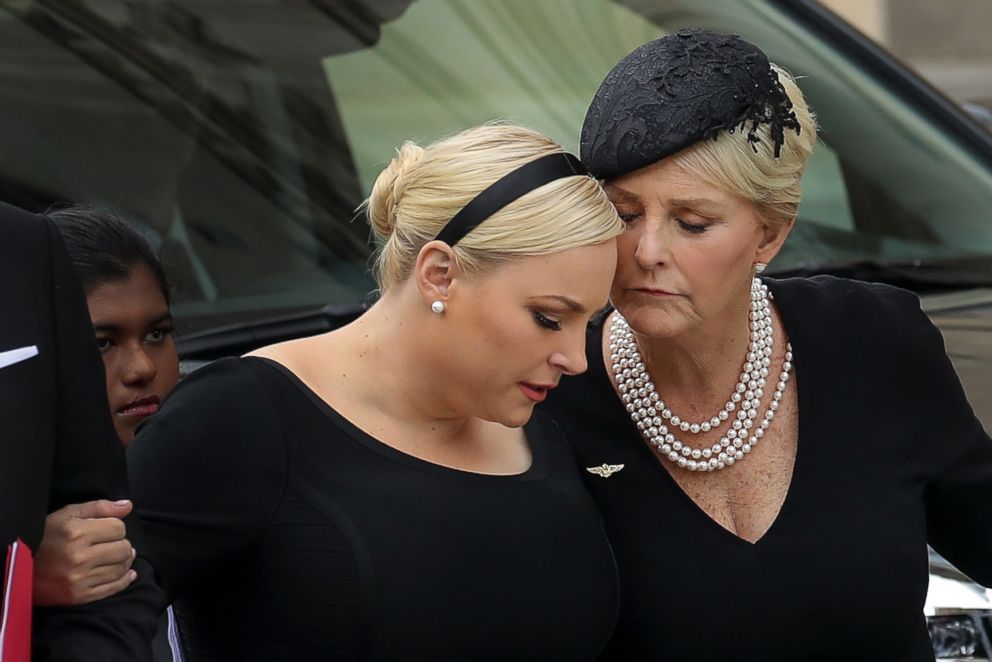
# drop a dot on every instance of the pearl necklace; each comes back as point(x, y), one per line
point(653, 417)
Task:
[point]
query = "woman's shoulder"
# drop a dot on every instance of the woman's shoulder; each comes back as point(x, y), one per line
point(228, 379)
point(885, 320)
point(300, 360)
point(828, 291)
point(228, 398)
point(828, 299)
point(219, 421)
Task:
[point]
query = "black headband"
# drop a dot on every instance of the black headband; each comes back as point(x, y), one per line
point(508, 188)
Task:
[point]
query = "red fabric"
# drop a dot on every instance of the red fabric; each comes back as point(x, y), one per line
point(15, 611)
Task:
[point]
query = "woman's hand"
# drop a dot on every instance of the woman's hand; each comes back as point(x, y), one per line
point(83, 555)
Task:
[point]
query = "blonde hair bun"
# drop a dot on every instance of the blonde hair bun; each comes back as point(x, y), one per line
point(389, 188)
point(421, 190)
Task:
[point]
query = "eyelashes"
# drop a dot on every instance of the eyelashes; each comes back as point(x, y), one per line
point(155, 337)
point(692, 228)
point(159, 334)
point(685, 226)
point(546, 322)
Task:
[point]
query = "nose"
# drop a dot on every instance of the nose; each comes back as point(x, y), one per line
point(571, 360)
point(138, 367)
point(651, 246)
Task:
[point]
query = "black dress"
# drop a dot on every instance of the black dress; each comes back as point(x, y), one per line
point(284, 532)
point(889, 457)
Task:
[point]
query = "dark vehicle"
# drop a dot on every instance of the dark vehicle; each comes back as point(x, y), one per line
point(980, 111)
point(245, 134)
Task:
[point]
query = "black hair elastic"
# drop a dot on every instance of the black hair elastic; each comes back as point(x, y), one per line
point(508, 188)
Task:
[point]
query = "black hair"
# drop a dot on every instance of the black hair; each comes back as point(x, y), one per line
point(103, 246)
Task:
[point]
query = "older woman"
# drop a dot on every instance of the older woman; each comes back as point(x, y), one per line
point(771, 457)
point(381, 492)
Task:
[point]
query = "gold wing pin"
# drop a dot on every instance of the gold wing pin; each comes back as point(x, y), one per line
point(604, 470)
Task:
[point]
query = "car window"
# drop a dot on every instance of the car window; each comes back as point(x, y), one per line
point(245, 134)
point(868, 191)
point(914, 194)
point(212, 127)
point(444, 66)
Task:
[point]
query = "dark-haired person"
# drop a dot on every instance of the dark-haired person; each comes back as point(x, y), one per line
point(778, 452)
point(128, 296)
point(84, 554)
point(57, 446)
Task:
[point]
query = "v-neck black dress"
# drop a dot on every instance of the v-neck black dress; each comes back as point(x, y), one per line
point(284, 532)
point(889, 458)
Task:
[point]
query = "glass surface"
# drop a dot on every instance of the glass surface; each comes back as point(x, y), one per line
point(955, 637)
point(211, 123)
point(243, 134)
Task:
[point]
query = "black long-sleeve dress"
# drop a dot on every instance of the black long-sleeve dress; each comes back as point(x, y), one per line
point(889, 458)
point(284, 532)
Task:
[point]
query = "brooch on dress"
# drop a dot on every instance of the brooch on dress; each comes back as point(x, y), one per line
point(604, 470)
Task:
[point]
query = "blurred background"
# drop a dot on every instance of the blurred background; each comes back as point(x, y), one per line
point(946, 42)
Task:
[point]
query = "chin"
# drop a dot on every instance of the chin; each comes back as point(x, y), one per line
point(516, 417)
point(653, 322)
point(126, 436)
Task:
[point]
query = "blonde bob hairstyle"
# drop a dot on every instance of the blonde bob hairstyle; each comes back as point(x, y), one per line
point(773, 185)
point(423, 188)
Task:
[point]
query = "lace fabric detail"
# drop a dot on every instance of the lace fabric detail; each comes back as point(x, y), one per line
point(678, 90)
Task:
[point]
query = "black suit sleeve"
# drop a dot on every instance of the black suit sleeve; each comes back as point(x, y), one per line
point(89, 459)
point(88, 463)
point(208, 472)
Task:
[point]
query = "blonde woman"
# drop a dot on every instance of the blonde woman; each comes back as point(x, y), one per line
point(789, 446)
point(382, 492)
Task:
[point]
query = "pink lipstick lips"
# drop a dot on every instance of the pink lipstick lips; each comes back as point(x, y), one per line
point(536, 392)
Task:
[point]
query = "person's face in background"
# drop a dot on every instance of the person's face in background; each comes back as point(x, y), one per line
point(133, 328)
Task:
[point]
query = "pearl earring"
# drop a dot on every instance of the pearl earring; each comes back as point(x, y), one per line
point(759, 267)
point(438, 307)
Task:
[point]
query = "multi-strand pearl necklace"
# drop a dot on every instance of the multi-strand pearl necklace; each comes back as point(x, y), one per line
point(658, 423)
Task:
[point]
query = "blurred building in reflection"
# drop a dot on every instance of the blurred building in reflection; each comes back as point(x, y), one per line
point(947, 42)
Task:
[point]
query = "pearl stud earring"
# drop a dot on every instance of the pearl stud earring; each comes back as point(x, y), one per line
point(438, 307)
point(759, 267)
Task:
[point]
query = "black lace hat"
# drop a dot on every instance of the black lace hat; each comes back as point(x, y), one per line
point(676, 91)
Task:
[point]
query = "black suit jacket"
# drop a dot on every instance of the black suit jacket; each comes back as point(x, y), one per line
point(57, 442)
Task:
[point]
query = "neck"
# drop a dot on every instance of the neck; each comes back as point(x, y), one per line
point(395, 371)
point(703, 363)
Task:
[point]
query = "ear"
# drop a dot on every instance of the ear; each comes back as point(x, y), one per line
point(434, 271)
point(772, 240)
